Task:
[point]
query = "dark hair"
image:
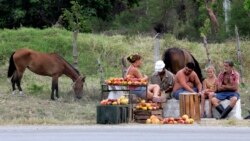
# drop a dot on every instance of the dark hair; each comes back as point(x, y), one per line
point(190, 65)
point(133, 58)
point(229, 62)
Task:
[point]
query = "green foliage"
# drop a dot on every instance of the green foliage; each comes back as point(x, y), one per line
point(35, 89)
point(247, 5)
point(77, 18)
point(205, 30)
point(240, 18)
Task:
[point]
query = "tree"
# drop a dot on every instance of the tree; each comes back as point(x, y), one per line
point(77, 21)
point(247, 5)
point(240, 18)
point(31, 13)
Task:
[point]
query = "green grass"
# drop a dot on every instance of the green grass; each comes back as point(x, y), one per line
point(37, 108)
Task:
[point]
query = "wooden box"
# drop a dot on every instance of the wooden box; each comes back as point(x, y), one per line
point(141, 116)
point(190, 105)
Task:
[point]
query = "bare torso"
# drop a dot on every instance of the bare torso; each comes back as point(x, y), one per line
point(185, 81)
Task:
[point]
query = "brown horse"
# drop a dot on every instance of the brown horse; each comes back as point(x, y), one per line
point(176, 59)
point(51, 65)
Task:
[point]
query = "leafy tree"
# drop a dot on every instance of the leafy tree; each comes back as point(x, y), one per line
point(45, 13)
point(77, 18)
point(247, 5)
point(240, 18)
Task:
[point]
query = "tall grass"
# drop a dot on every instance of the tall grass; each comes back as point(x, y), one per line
point(36, 108)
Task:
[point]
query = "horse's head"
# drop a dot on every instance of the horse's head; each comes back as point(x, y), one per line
point(78, 87)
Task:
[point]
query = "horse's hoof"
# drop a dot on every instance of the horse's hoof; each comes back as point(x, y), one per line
point(21, 93)
point(14, 93)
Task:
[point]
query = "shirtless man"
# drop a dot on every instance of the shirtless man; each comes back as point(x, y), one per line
point(186, 80)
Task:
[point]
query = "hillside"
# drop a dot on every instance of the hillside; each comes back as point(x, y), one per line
point(36, 107)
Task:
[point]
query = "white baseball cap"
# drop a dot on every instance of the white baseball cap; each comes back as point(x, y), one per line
point(159, 66)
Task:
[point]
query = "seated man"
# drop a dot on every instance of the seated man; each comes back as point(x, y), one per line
point(227, 88)
point(186, 80)
point(162, 77)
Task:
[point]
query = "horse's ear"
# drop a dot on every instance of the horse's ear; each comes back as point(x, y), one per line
point(83, 78)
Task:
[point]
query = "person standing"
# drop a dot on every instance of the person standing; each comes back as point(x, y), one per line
point(163, 77)
point(227, 88)
point(186, 80)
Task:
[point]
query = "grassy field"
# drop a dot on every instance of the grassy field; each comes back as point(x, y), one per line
point(37, 108)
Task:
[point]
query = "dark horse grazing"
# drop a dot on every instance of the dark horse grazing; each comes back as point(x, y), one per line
point(43, 64)
point(176, 59)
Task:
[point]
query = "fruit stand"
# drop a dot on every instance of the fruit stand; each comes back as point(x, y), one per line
point(120, 85)
point(121, 109)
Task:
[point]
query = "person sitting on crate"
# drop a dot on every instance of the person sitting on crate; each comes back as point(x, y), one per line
point(227, 88)
point(151, 91)
point(163, 77)
point(186, 81)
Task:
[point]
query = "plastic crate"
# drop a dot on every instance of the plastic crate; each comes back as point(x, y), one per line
point(112, 114)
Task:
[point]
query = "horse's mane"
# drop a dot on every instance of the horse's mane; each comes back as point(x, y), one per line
point(60, 57)
point(197, 69)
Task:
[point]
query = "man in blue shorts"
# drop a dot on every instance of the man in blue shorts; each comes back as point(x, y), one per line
point(186, 81)
point(227, 88)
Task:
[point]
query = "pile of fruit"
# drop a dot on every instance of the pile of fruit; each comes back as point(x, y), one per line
point(128, 80)
point(154, 120)
point(181, 120)
point(143, 105)
point(120, 101)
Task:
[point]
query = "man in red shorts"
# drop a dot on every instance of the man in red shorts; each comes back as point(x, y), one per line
point(227, 88)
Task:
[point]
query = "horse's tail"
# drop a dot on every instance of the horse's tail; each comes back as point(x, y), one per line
point(197, 69)
point(12, 67)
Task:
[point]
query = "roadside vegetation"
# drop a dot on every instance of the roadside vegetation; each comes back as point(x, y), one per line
point(37, 108)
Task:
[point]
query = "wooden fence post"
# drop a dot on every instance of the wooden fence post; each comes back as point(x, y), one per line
point(157, 47)
point(207, 51)
point(239, 57)
point(101, 72)
point(75, 52)
point(124, 67)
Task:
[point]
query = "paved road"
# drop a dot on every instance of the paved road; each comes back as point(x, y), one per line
point(124, 133)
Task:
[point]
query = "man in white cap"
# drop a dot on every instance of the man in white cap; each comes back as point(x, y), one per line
point(162, 77)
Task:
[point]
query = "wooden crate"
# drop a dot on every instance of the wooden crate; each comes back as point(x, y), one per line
point(140, 116)
point(190, 105)
point(112, 114)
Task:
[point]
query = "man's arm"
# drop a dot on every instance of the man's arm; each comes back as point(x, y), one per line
point(197, 83)
point(233, 85)
point(170, 82)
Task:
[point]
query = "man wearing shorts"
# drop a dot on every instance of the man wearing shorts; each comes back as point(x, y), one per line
point(186, 81)
point(163, 77)
point(227, 88)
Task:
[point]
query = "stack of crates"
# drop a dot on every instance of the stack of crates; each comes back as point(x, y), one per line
point(141, 116)
point(112, 114)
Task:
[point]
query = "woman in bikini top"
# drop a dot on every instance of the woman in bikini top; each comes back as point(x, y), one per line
point(153, 90)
